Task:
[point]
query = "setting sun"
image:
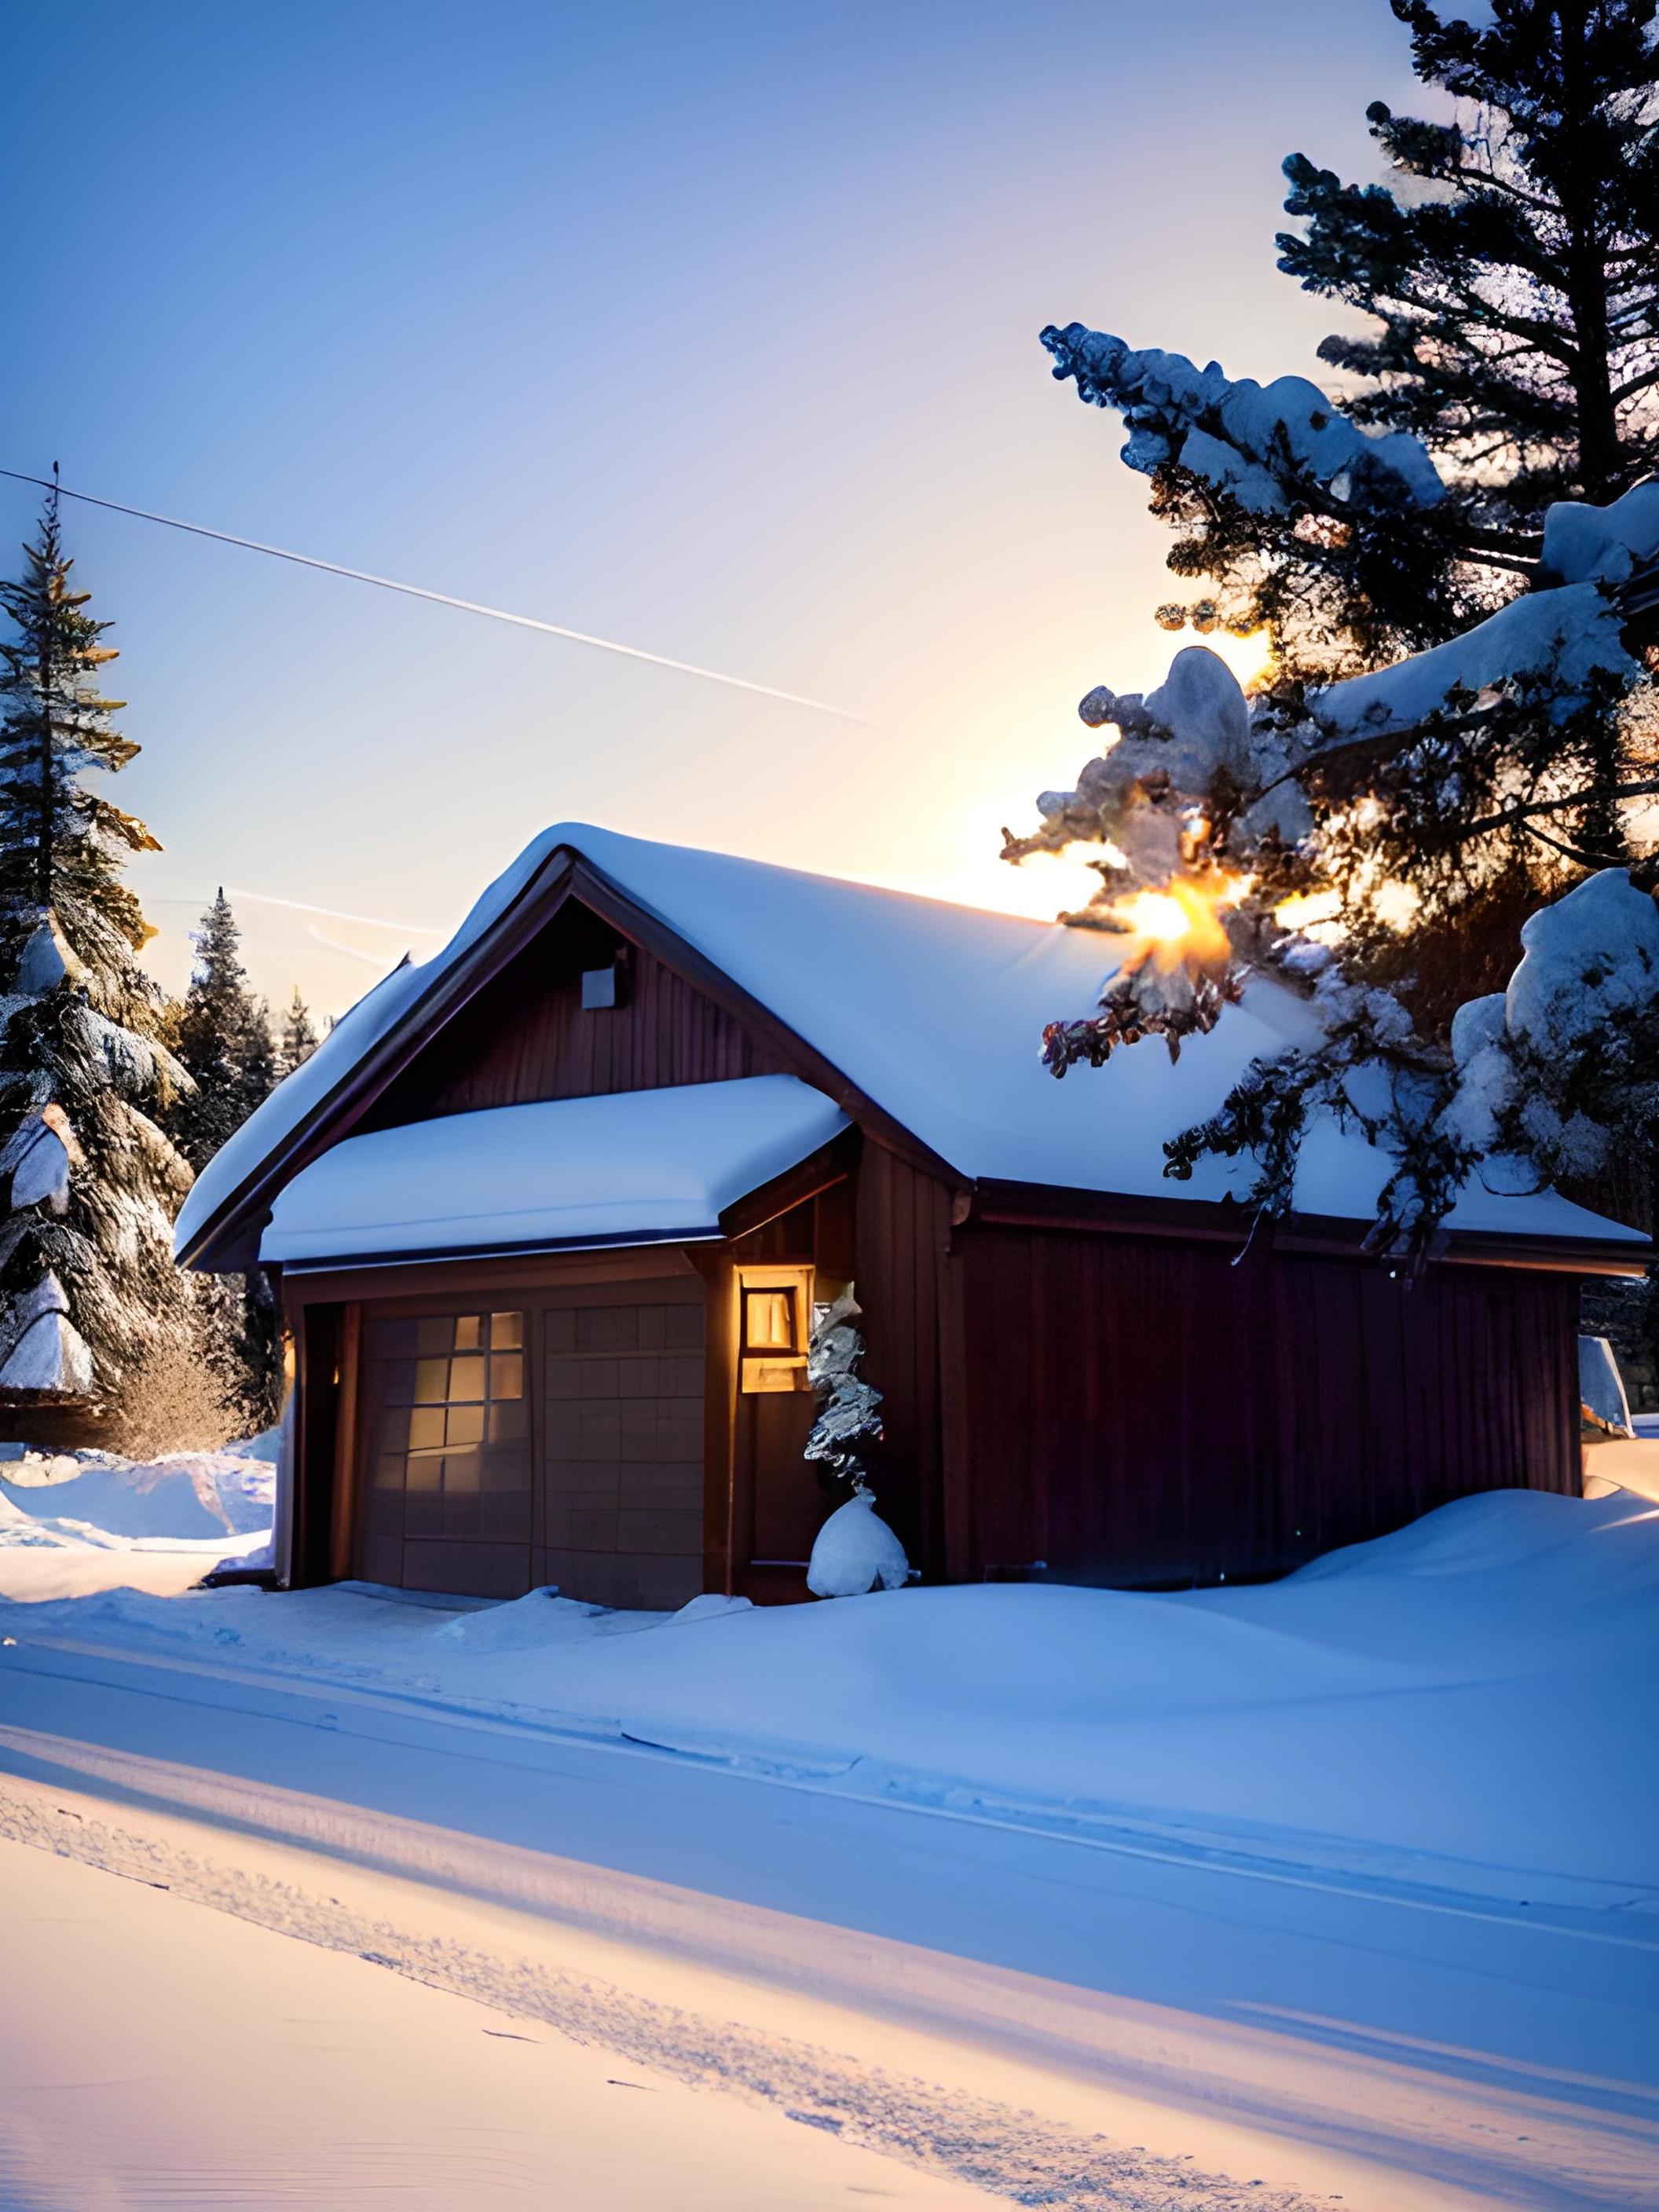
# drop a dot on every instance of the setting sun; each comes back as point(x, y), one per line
point(1184, 921)
point(1249, 657)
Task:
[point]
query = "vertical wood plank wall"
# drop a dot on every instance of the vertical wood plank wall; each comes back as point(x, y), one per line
point(1139, 1410)
point(904, 1247)
point(527, 1036)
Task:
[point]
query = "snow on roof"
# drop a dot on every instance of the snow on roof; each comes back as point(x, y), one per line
point(620, 1168)
point(935, 1012)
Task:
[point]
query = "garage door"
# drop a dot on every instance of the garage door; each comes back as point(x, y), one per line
point(620, 1480)
point(555, 1440)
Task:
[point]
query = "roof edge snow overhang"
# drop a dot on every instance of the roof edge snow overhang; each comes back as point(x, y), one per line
point(1040, 1205)
point(531, 1248)
point(664, 1165)
point(228, 1240)
point(829, 1165)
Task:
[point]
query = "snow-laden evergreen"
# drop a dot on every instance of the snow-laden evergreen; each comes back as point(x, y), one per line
point(855, 1551)
point(1455, 559)
point(88, 1293)
point(1473, 483)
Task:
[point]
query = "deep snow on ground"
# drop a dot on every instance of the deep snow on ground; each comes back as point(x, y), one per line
point(73, 1522)
point(280, 2073)
point(1347, 1883)
point(1469, 1701)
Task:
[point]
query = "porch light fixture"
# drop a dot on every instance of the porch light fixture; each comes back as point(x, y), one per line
point(774, 1311)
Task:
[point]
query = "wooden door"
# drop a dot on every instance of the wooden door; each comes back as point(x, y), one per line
point(620, 1470)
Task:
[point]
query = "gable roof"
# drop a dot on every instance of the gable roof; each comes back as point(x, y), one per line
point(925, 1015)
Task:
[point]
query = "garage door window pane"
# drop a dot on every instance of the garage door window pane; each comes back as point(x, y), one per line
point(426, 1428)
point(466, 1382)
point(466, 1425)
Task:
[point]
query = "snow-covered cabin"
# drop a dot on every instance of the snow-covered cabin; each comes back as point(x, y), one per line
point(532, 1202)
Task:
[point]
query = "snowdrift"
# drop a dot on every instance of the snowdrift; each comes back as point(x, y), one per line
point(78, 1521)
point(1471, 1698)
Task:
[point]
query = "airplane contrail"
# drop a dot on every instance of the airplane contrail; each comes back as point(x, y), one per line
point(335, 914)
point(383, 962)
point(444, 599)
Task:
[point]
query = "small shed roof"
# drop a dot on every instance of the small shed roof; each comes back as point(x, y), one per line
point(637, 1167)
point(934, 1012)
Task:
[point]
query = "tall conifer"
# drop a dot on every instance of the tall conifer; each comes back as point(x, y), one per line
point(1508, 277)
point(88, 1291)
point(1454, 552)
point(222, 1038)
point(299, 1038)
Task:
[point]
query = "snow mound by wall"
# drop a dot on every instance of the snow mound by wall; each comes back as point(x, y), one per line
point(194, 1496)
point(1478, 1688)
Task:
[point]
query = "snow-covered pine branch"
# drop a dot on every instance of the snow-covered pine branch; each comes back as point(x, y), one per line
point(1219, 809)
point(1273, 447)
point(1334, 539)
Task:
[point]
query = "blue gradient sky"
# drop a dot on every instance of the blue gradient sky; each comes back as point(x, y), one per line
point(708, 327)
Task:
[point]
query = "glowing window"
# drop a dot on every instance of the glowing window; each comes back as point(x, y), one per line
point(773, 1303)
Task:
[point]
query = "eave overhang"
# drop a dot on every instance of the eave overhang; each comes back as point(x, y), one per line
point(1039, 1205)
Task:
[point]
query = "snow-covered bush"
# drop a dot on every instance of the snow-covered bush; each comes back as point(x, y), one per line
point(856, 1552)
point(855, 1549)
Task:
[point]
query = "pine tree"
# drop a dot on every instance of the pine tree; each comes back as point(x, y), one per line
point(1518, 295)
point(298, 1038)
point(222, 1038)
point(1455, 557)
point(1512, 288)
point(88, 1291)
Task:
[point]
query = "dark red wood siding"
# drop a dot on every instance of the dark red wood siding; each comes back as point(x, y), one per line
point(901, 1278)
point(1139, 1410)
point(779, 1498)
point(527, 1036)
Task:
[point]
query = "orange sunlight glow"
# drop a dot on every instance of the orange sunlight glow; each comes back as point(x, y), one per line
point(1183, 924)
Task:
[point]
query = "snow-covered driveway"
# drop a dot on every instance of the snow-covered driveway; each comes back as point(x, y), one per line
point(1059, 2021)
point(156, 2054)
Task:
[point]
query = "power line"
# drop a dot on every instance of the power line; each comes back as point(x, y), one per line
point(439, 598)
